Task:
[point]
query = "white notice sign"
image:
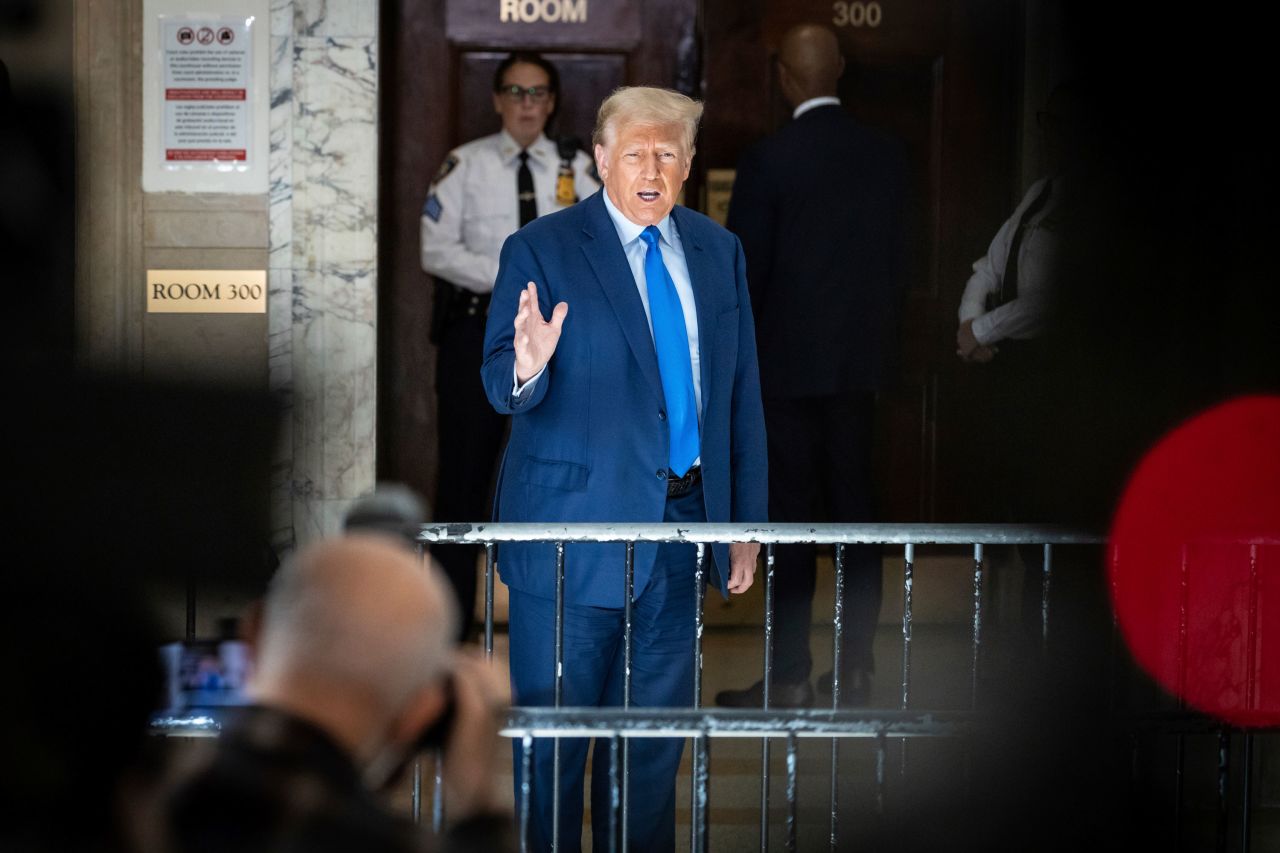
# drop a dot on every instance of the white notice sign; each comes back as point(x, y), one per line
point(206, 91)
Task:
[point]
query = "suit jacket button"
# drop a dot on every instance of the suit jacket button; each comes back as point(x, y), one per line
point(662, 416)
point(662, 475)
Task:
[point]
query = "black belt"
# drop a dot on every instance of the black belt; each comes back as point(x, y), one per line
point(468, 302)
point(680, 486)
point(454, 304)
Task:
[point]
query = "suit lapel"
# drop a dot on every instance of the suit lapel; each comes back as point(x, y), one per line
point(604, 254)
point(702, 277)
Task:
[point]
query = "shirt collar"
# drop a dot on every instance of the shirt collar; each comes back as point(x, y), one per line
point(813, 103)
point(541, 150)
point(628, 230)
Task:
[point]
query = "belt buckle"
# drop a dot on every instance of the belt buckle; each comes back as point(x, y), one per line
point(677, 486)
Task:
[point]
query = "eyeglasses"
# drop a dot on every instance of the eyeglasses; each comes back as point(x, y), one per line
point(515, 94)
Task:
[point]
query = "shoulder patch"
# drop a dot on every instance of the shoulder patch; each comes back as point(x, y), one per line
point(433, 208)
point(450, 163)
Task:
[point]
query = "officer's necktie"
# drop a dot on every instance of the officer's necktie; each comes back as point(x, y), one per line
point(1009, 284)
point(524, 189)
point(671, 339)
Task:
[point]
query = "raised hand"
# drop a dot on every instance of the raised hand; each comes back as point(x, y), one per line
point(535, 338)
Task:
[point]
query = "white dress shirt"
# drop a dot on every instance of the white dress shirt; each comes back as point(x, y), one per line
point(472, 206)
point(1023, 317)
point(813, 103)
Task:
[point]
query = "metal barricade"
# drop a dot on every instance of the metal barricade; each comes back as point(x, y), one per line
point(719, 723)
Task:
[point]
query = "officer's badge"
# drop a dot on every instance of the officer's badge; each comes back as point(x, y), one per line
point(450, 163)
point(565, 192)
point(433, 208)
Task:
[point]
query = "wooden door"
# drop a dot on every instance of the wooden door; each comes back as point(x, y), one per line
point(437, 67)
point(939, 75)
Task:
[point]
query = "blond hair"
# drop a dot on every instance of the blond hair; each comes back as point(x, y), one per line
point(648, 106)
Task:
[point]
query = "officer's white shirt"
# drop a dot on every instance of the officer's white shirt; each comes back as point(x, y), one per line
point(1023, 317)
point(472, 206)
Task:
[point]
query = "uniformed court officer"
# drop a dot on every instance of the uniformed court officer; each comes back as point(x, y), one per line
point(485, 190)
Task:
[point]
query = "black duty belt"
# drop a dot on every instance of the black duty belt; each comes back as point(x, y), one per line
point(679, 486)
point(454, 304)
point(468, 303)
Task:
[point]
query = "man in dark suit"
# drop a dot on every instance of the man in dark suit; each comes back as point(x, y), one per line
point(818, 208)
point(639, 400)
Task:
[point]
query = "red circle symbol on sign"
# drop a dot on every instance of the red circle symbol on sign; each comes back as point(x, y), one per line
point(186, 35)
point(226, 35)
point(1194, 562)
point(205, 36)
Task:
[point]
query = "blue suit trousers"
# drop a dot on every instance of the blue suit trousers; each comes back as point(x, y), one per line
point(661, 676)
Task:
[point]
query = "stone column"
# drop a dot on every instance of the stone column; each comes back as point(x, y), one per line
point(323, 308)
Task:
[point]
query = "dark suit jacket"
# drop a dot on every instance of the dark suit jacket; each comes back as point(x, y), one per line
point(818, 207)
point(589, 442)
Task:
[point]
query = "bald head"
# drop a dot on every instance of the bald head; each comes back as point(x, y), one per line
point(358, 614)
point(811, 63)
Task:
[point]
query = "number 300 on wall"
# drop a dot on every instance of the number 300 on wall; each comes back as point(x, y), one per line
point(856, 14)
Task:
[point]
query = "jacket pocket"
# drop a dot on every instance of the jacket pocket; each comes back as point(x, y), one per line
point(552, 474)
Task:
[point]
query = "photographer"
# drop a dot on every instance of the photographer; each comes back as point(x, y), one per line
point(356, 671)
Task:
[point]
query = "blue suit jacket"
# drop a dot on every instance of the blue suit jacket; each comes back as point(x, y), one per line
point(589, 442)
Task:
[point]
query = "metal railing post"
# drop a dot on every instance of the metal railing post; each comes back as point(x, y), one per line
point(559, 695)
point(415, 792)
point(908, 585)
point(792, 783)
point(615, 793)
point(699, 577)
point(837, 624)
point(526, 789)
point(977, 620)
point(1045, 581)
point(490, 559)
point(880, 780)
point(629, 575)
point(701, 796)
point(767, 685)
point(1251, 635)
point(696, 793)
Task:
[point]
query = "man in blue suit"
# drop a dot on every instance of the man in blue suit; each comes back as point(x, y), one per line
point(638, 400)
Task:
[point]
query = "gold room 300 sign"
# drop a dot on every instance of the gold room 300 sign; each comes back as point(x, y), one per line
point(206, 291)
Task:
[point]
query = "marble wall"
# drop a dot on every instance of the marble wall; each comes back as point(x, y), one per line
point(322, 306)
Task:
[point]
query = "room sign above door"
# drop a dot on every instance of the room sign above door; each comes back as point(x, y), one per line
point(611, 24)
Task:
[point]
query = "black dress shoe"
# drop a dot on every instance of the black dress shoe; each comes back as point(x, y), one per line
point(855, 688)
point(780, 696)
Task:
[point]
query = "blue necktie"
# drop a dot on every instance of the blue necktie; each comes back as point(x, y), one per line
point(672, 342)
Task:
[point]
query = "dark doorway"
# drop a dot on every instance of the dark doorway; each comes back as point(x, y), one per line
point(940, 77)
